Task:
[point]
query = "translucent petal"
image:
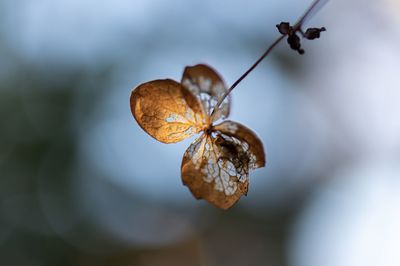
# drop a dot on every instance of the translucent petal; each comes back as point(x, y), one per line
point(208, 86)
point(216, 166)
point(249, 140)
point(166, 110)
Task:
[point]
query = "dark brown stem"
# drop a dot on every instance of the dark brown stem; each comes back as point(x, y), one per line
point(272, 46)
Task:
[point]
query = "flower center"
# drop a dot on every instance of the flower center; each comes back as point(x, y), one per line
point(208, 130)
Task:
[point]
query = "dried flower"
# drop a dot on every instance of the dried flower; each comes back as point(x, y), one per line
point(216, 165)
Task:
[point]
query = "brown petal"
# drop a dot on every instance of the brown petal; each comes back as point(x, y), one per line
point(216, 169)
point(166, 110)
point(208, 86)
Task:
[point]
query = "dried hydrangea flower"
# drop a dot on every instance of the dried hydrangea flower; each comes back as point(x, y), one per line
point(216, 165)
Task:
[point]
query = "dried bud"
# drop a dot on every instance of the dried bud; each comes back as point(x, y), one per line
point(294, 42)
point(284, 27)
point(313, 33)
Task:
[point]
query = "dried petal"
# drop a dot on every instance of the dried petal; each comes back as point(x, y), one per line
point(251, 143)
point(208, 86)
point(216, 166)
point(210, 175)
point(166, 110)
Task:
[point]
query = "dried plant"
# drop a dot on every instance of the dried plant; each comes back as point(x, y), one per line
point(216, 165)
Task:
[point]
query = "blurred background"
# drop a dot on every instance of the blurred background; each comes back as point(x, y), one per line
point(82, 184)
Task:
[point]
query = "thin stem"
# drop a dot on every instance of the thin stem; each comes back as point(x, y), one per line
point(272, 46)
point(315, 6)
